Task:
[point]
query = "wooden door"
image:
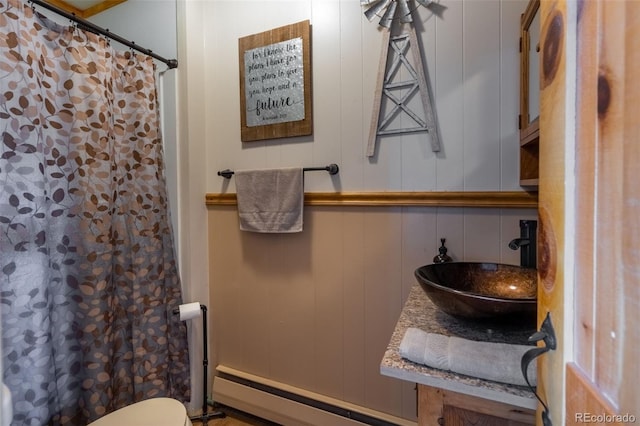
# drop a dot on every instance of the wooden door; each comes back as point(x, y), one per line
point(589, 208)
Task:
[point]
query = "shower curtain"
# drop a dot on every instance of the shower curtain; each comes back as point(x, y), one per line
point(87, 268)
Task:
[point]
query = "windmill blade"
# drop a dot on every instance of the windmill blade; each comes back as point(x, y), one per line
point(435, 7)
point(376, 7)
point(388, 9)
point(405, 13)
point(387, 18)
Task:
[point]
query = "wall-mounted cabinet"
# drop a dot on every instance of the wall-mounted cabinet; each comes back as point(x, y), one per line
point(529, 95)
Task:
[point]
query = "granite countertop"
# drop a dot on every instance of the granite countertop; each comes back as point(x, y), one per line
point(421, 313)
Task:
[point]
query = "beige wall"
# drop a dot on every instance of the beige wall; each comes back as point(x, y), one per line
point(315, 310)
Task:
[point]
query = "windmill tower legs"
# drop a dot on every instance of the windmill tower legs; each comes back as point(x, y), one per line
point(395, 94)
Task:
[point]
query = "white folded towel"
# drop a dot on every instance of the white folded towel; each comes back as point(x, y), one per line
point(270, 200)
point(499, 362)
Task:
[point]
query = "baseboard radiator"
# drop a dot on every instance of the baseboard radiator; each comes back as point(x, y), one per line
point(290, 406)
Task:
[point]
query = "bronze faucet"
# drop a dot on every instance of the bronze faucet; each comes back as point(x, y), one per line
point(526, 243)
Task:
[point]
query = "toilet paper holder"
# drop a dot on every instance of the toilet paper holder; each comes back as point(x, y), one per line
point(188, 312)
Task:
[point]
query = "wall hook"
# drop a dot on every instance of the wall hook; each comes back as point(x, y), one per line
point(547, 335)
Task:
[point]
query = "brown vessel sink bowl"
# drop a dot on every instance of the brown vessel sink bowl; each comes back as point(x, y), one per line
point(480, 290)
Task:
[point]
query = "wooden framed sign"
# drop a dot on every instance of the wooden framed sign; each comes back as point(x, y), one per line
point(275, 83)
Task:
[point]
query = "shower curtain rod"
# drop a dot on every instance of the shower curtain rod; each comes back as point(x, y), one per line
point(171, 63)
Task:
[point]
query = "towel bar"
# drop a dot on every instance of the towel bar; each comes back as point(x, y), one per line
point(331, 168)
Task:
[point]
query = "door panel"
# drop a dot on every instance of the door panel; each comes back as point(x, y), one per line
point(600, 261)
point(551, 201)
point(607, 218)
point(585, 402)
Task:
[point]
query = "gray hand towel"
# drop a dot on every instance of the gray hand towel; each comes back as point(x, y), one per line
point(270, 200)
point(499, 362)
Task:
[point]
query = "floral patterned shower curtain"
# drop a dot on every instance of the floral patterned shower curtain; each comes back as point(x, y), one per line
point(87, 269)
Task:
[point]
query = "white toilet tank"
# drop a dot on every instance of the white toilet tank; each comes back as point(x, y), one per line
point(151, 412)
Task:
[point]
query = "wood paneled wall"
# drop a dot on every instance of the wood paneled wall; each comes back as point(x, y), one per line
point(472, 61)
point(607, 293)
point(316, 309)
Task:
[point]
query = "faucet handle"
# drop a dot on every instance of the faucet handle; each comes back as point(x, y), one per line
point(442, 257)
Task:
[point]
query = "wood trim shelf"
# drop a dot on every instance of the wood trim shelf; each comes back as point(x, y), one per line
point(531, 134)
point(529, 182)
point(490, 199)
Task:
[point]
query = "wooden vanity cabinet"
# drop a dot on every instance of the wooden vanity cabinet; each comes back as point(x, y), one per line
point(442, 407)
point(529, 122)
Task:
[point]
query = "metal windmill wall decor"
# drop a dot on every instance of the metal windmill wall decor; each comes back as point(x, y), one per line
point(391, 97)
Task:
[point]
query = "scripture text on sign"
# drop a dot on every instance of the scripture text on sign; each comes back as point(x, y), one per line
point(274, 83)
